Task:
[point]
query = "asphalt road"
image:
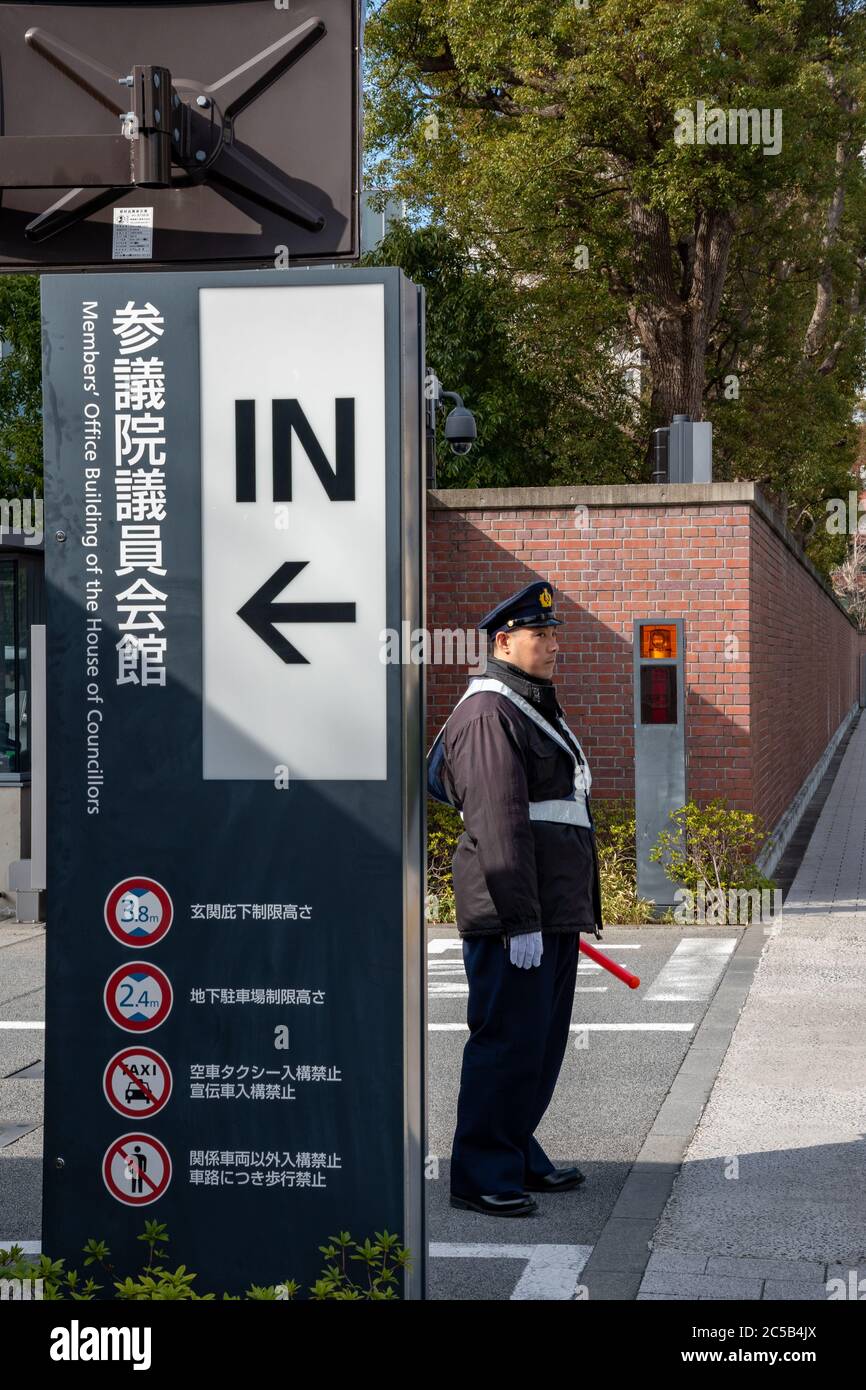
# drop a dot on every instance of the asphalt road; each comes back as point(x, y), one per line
point(612, 1084)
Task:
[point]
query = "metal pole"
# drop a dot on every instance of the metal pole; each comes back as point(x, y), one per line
point(38, 769)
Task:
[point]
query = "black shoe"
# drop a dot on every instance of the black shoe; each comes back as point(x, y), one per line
point(560, 1180)
point(495, 1204)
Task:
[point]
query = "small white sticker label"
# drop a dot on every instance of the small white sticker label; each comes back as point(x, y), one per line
point(132, 237)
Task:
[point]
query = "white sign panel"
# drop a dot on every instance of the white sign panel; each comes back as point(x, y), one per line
point(293, 532)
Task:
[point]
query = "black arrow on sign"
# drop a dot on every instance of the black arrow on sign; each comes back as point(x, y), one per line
point(260, 612)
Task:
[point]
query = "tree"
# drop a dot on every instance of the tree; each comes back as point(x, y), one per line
point(849, 580)
point(478, 345)
point(539, 129)
point(20, 388)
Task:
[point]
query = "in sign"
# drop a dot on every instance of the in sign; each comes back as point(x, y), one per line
point(293, 532)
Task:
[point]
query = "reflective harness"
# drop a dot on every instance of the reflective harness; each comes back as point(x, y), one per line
point(572, 809)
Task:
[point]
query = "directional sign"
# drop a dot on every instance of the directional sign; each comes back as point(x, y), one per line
point(138, 911)
point(235, 461)
point(138, 997)
point(260, 612)
point(137, 1082)
point(293, 498)
point(136, 1169)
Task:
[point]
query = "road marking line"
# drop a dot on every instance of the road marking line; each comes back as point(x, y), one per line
point(693, 970)
point(444, 943)
point(551, 1272)
point(442, 990)
point(589, 1027)
point(22, 1025)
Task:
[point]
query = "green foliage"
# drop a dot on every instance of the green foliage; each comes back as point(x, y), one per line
point(378, 1278)
point(20, 388)
point(444, 828)
point(481, 330)
point(712, 845)
point(617, 863)
point(529, 131)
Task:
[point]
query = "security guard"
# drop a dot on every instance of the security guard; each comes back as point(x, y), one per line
point(526, 883)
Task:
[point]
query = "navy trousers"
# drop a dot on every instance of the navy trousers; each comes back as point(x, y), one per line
point(518, 1031)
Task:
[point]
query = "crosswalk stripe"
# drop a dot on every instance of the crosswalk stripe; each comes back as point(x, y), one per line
point(692, 971)
point(551, 1272)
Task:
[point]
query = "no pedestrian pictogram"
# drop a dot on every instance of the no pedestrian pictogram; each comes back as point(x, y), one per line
point(136, 1169)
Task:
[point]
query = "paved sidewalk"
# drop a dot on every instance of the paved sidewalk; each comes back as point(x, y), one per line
point(771, 1199)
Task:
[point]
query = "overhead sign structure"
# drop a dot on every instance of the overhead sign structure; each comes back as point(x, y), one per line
point(179, 134)
point(234, 523)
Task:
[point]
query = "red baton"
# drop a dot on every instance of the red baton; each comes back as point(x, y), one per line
point(619, 970)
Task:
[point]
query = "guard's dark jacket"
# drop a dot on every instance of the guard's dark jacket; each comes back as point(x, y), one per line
point(513, 875)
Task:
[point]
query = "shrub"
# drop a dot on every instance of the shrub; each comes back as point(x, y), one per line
point(380, 1260)
point(444, 828)
point(712, 845)
point(617, 862)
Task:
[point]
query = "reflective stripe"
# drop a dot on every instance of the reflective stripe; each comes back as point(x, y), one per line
point(562, 810)
point(568, 812)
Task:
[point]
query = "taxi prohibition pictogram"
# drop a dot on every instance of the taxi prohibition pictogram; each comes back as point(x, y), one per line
point(138, 911)
point(136, 1169)
point(138, 997)
point(137, 1081)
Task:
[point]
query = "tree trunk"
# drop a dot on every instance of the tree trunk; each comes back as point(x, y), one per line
point(673, 313)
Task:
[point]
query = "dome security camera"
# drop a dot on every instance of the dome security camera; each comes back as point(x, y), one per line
point(460, 429)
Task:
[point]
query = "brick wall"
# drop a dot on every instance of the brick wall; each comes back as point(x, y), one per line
point(771, 658)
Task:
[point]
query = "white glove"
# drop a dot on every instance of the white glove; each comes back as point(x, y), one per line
point(526, 949)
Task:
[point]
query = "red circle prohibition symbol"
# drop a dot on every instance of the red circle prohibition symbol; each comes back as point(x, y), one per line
point(135, 888)
point(130, 1092)
point(136, 1169)
point(139, 978)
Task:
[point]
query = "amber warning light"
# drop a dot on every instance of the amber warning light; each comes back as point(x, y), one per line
point(658, 641)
